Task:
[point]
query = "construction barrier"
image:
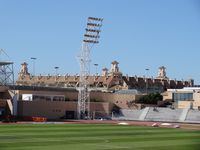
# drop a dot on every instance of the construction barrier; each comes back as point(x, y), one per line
point(35, 119)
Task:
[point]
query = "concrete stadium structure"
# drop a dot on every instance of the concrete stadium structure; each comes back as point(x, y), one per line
point(55, 97)
point(160, 114)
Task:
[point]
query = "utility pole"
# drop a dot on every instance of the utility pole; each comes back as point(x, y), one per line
point(56, 68)
point(147, 80)
point(33, 59)
point(96, 65)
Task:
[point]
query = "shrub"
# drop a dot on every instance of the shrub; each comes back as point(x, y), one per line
point(151, 98)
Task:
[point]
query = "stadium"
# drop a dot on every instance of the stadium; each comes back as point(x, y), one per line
point(40, 109)
point(110, 110)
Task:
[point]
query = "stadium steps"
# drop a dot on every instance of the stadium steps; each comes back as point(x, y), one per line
point(13, 104)
point(144, 113)
point(183, 114)
point(128, 114)
point(159, 114)
point(10, 106)
point(193, 116)
point(163, 114)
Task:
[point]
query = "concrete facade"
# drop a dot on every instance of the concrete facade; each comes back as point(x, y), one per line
point(55, 110)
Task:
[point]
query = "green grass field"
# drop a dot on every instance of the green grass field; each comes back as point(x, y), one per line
point(95, 137)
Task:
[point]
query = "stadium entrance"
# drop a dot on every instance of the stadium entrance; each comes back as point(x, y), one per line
point(70, 115)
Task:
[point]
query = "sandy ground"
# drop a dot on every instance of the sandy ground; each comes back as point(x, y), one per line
point(137, 123)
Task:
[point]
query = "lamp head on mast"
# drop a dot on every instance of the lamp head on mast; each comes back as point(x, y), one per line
point(93, 30)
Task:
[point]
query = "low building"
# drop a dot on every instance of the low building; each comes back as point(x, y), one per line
point(188, 97)
point(56, 103)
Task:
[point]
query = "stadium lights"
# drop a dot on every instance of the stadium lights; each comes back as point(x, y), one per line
point(96, 65)
point(93, 30)
point(56, 68)
point(96, 19)
point(33, 58)
point(94, 24)
point(90, 37)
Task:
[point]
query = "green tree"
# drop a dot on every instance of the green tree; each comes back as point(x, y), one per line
point(151, 98)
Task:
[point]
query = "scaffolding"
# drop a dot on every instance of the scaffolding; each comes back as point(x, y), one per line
point(6, 71)
point(90, 38)
point(7, 80)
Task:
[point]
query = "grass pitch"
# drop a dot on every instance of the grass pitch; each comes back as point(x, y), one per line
point(95, 137)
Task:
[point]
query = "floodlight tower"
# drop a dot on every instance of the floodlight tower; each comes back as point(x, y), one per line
point(91, 37)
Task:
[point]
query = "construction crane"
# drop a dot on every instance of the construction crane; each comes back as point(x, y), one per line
point(91, 37)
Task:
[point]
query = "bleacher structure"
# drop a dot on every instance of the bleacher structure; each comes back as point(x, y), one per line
point(127, 114)
point(193, 116)
point(163, 114)
point(159, 114)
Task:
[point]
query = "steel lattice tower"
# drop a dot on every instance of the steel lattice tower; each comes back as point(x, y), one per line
point(6, 71)
point(90, 38)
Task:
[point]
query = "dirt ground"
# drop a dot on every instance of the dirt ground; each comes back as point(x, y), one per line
point(121, 122)
point(137, 123)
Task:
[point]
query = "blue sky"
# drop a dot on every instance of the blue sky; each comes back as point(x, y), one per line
point(139, 34)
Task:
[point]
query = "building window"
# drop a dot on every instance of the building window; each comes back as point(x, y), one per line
point(182, 96)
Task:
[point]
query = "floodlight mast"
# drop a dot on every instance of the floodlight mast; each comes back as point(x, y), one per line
point(91, 37)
